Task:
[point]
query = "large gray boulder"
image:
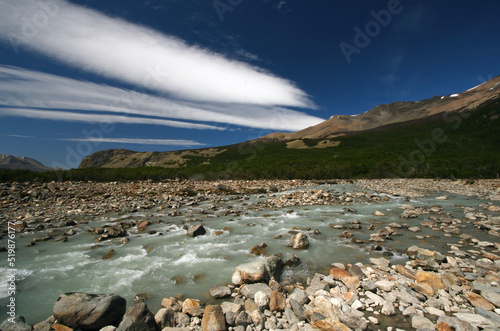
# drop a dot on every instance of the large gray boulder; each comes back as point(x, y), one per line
point(89, 311)
point(259, 270)
point(138, 318)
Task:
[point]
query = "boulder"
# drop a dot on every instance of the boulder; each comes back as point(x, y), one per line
point(44, 325)
point(293, 261)
point(196, 230)
point(259, 270)
point(192, 307)
point(455, 323)
point(60, 327)
point(277, 301)
point(442, 326)
point(219, 292)
point(478, 301)
point(213, 319)
point(385, 285)
point(495, 318)
point(243, 319)
point(230, 307)
point(258, 318)
point(165, 317)
point(492, 297)
point(339, 273)
point(261, 300)
point(424, 289)
point(299, 296)
point(89, 311)
point(476, 320)
point(138, 317)
point(380, 262)
point(18, 325)
point(431, 279)
point(171, 303)
point(250, 305)
point(405, 271)
point(116, 231)
point(298, 310)
point(418, 322)
point(250, 290)
point(324, 315)
point(290, 316)
point(300, 241)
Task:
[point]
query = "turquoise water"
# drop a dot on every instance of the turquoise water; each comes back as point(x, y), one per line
point(170, 263)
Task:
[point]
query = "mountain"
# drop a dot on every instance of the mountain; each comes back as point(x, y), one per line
point(452, 136)
point(397, 112)
point(21, 163)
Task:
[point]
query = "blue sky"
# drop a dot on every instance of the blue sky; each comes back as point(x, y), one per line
point(81, 76)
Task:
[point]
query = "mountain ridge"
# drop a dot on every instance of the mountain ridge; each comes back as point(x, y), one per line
point(11, 162)
point(325, 134)
point(396, 112)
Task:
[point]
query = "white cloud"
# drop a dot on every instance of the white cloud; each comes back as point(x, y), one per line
point(140, 56)
point(97, 118)
point(27, 93)
point(164, 142)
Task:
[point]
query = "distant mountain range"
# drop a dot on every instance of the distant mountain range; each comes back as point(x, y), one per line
point(21, 163)
point(398, 139)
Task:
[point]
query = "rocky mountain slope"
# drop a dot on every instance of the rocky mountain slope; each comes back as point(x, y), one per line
point(397, 112)
point(21, 163)
point(380, 130)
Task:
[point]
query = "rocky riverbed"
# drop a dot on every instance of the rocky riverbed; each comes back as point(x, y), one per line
point(452, 289)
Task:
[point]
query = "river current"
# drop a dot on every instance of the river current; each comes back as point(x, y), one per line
point(164, 261)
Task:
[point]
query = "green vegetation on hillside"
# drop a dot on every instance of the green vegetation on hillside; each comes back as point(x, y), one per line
point(457, 145)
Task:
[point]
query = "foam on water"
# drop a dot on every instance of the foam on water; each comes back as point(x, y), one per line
point(20, 275)
point(173, 263)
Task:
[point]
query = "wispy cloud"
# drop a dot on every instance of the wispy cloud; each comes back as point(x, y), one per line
point(163, 142)
point(98, 118)
point(19, 135)
point(141, 56)
point(34, 94)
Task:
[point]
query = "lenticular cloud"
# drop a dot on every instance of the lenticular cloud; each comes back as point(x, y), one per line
point(140, 56)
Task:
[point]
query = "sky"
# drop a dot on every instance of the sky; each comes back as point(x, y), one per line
point(81, 76)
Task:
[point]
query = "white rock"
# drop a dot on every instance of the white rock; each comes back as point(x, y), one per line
point(261, 299)
point(418, 322)
point(434, 311)
point(373, 320)
point(377, 300)
point(410, 311)
point(356, 305)
point(385, 285)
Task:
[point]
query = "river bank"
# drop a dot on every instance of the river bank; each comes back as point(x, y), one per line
point(376, 223)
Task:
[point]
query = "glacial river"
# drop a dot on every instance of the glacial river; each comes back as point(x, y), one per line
point(170, 263)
